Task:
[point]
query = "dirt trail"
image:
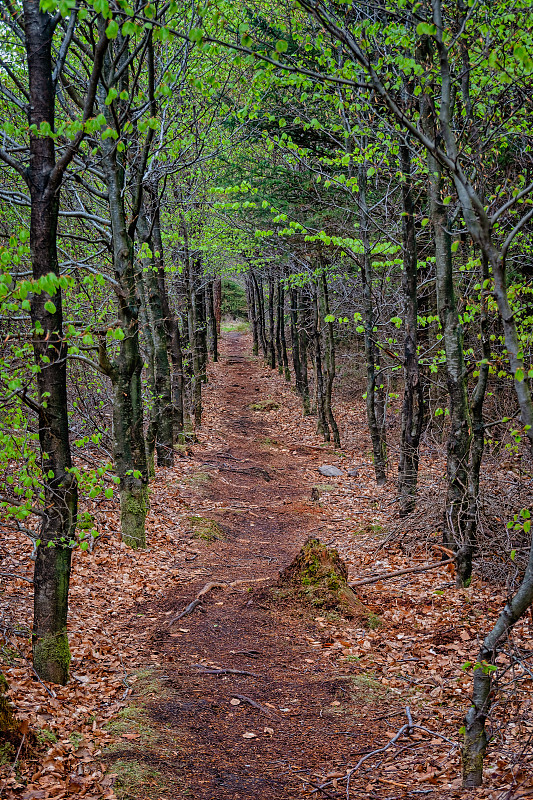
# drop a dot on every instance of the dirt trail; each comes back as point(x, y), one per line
point(308, 722)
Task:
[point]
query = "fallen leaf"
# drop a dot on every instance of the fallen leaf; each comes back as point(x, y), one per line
point(249, 735)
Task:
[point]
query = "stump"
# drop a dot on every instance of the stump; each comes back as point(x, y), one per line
point(319, 576)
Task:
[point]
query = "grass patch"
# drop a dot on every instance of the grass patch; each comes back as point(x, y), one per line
point(131, 721)
point(134, 777)
point(205, 528)
point(264, 405)
point(268, 442)
point(197, 479)
point(235, 326)
point(367, 685)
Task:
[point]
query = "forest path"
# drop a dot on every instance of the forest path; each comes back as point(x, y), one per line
point(256, 483)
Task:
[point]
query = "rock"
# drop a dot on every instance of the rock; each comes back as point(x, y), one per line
point(353, 473)
point(330, 471)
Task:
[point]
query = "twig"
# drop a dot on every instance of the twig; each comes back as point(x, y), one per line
point(225, 671)
point(192, 605)
point(15, 577)
point(255, 705)
point(386, 575)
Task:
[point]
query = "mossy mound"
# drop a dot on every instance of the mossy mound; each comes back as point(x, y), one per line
point(319, 576)
point(264, 405)
point(205, 528)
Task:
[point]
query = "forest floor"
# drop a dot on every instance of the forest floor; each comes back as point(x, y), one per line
point(251, 694)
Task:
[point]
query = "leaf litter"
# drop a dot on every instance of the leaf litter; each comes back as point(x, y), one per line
point(153, 710)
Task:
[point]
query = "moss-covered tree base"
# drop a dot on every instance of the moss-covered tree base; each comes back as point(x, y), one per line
point(51, 657)
point(318, 576)
point(134, 507)
point(9, 726)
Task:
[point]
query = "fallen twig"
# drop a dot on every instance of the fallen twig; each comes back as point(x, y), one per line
point(253, 703)
point(192, 605)
point(385, 575)
point(224, 671)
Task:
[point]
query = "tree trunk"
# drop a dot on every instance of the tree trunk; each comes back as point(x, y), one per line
point(217, 302)
point(260, 306)
point(161, 366)
point(279, 323)
point(51, 655)
point(252, 314)
point(322, 426)
point(330, 362)
point(413, 398)
point(213, 337)
point(303, 313)
point(283, 338)
point(125, 371)
point(171, 323)
point(377, 431)
point(459, 439)
point(271, 342)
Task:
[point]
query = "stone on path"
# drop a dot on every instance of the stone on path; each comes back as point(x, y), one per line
point(353, 473)
point(330, 471)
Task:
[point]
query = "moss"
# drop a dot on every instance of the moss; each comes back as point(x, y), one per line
point(51, 657)
point(205, 528)
point(264, 405)
point(134, 507)
point(319, 576)
point(46, 736)
point(7, 753)
point(134, 777)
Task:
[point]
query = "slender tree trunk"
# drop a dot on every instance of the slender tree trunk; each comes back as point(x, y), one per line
point(260, 306)
point(201, 322)
point(252, 314)
point(475, 738)
point(295, 342)
point(322, 426)
point(413, 398)
point(125, 370)
point(283, 338)
point(303, 314)
point(217, 302)
point(155, 318)
point(213, 338)
point(279, 323)
point(459, 439)
point(330, 362)
point(51, 655)
point(171, 323)
point(271, 324)
point(377, 432)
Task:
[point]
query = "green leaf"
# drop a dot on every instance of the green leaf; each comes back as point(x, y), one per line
point(426, 28)
point(282, 46)
point(50, 307)
point(112, 30)
point(519, 375)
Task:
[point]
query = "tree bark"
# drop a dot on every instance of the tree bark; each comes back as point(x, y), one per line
point(155, 314)
point(413, 398)
point(377, 430)
point(125, 370)
point(459, 438)
point(271, 341)
point(330, 362)
point(51, 655)
point(322, 425)
point(213, 337)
